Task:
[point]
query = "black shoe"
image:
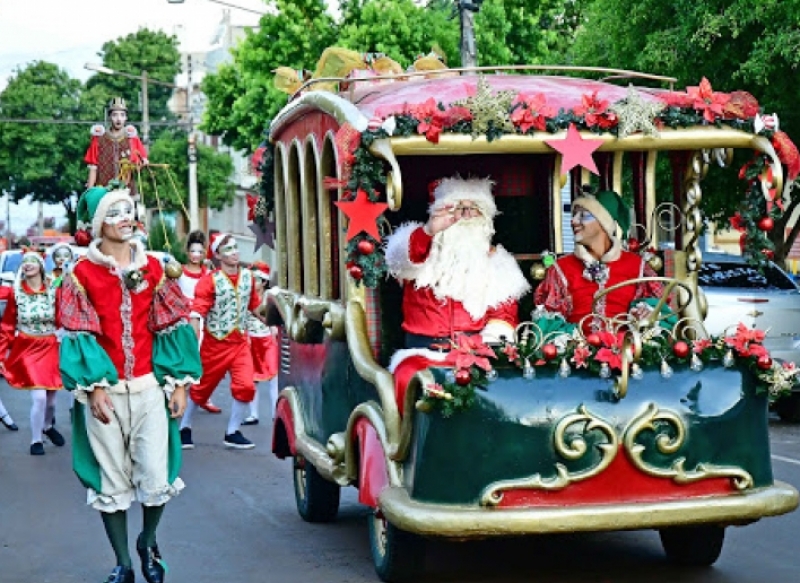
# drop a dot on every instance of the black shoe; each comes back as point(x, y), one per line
point(121, 574)
point(152, 565)
point(37, 448)
point(10, 425)
point(238, 441)
point(186, 438)
point(54, 436)
point(250, 421)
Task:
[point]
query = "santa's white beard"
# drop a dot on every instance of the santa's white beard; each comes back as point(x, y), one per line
point(458, 265)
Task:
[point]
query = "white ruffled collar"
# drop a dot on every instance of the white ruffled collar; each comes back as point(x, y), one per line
point(138, 256)
point(596, 270)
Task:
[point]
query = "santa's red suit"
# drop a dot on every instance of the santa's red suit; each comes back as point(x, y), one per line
point(571, 283)
point(224, 301)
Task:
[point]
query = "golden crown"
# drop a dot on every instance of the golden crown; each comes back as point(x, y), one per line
point(117, 104)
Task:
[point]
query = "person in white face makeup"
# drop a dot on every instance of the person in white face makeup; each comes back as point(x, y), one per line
point(223, 300)
point(193, 271)
point(28, 330)
point(127, 354)
point(62, 257)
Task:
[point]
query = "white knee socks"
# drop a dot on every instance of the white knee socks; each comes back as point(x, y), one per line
point(238, 413)
point(39, 405)
point(254, 404)
point(186, 420)
point(272, 385)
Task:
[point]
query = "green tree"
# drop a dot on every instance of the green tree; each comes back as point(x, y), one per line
point(168, 188)
point(145, 50)
point(738, 45)
point(43, 160)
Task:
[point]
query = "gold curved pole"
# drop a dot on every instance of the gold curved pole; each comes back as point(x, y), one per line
point(394, 181)
point(372, 372)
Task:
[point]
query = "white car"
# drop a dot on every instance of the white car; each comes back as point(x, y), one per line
point(769, 300)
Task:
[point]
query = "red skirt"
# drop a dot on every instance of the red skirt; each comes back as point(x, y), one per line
point(33, 363)
point(265, 357)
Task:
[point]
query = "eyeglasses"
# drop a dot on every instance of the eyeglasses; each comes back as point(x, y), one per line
point(583, 216)
point(466, 211)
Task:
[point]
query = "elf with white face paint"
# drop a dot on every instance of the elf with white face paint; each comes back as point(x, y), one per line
point(223, 300)
point(28, 330)
point(127, 354)
point(193, 271)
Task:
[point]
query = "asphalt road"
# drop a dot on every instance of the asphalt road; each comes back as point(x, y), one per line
point(236, 522)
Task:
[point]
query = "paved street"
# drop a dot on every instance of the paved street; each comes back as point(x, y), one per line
point(236, 522)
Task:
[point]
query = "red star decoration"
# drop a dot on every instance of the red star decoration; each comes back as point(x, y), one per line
point(575, 150)
point(363, 215)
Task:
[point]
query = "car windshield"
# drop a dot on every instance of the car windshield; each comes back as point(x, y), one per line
point(741, 275)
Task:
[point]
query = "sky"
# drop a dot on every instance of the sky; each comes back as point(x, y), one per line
point(70, 33)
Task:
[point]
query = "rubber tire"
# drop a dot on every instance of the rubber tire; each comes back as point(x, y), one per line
point(400, 555)
point(317, 499)
point(788, 408)
point(697, 546)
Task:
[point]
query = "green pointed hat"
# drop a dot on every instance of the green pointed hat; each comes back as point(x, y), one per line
point(94, 204)
point(610, 210)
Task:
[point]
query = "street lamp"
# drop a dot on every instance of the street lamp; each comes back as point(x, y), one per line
point(194, 215)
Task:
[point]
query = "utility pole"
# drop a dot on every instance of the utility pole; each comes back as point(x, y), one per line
point(194, 207)
point(469, 51)
point(145, 114)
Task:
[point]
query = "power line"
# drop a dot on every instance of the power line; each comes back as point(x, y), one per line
point(79, 122)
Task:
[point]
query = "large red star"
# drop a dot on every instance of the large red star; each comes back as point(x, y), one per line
point(363, 215)
point(575, 150)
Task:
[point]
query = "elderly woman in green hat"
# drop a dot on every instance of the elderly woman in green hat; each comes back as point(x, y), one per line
point(599, 221)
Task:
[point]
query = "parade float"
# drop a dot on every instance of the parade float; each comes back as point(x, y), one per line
point(650, 424)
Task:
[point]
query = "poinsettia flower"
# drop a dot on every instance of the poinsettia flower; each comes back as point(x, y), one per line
point(580, 357)
point(698, 346)
point(705, 99)
point(470, 350)
point(455, 114)
point(741, 105)
point(747, 341)
point(511, 351)
point(595, 112)
point(787, 153)
point(252, 201)
point(531, 111)
point(737, 222)
point(611, 351)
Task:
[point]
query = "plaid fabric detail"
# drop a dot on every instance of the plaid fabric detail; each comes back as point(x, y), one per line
point(169, 305)
point(373, 314)
point(74, 310)
point(669, 263)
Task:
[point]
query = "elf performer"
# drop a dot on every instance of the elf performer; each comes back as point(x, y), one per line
point(454, 280)
point(5, 418)
point(28, 328)
point(127, 353)
point(193, 271)
point(63, 256)
point(222, 300)
point(598, 262)
point(263, 346)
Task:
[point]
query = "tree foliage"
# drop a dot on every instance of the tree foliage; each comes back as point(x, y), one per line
point(145, 50)
point(738, 45)
point(43, 160)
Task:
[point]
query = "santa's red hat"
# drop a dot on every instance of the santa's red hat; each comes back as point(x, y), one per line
point(261, 270)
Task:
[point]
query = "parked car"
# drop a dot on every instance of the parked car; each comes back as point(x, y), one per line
point(767, 300)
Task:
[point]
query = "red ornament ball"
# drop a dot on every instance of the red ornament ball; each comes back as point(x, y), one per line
point(549, 351)
point(766, 224)
point(764, 362)
point(366, 247)
point(768, 253)
point(633, 245)
point(82, 238)
point(594, 339)
point(681, 349)
point(355, 272)
point(463, 377)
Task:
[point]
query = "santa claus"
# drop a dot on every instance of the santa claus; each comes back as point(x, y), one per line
point(454, 280)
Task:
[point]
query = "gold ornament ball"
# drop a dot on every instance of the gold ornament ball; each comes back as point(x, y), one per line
point(538, 271)
point(655, 262)
point(173, 269)
point(423, 406)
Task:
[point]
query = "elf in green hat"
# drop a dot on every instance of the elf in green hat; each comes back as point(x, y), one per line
point(599, 261)
point(127, 355)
